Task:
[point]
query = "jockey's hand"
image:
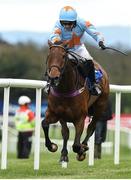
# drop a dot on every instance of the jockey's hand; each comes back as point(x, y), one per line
point(101, 45)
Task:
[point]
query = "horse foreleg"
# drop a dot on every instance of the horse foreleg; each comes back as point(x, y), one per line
point(65, 135)
point(51, 146)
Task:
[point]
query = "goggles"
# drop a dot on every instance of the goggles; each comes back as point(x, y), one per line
point(69, 23)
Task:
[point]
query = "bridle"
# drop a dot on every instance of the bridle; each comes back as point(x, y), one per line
point(60, 69)
point(75, 62)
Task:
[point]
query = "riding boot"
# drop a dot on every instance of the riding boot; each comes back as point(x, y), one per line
point(88, 72)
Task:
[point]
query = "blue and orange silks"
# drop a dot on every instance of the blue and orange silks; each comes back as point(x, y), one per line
point(74, 37)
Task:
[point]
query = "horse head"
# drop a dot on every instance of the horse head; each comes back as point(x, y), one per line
point(56, 62)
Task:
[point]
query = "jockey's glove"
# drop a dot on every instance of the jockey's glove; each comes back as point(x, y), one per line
point(101, 45)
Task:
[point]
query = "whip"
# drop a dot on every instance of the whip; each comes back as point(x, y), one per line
point(111, 48)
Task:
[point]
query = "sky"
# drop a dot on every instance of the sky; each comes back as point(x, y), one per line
point(40, 15)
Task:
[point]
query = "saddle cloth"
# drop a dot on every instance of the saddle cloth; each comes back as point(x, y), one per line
point(98, 77)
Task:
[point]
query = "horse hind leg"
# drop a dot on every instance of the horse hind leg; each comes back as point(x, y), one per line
point(64, 152)
point(90, 131)
point(52, 147)
point(99, 109)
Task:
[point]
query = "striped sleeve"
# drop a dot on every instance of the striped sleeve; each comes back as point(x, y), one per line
point(55, 36)
point(93, 32)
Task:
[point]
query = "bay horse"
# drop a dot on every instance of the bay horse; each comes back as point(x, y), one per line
point(69, 100)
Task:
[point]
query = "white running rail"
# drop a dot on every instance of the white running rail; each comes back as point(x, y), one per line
point(39, 85)
point(21, 83)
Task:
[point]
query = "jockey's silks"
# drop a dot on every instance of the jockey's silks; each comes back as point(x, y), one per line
point(74, 36)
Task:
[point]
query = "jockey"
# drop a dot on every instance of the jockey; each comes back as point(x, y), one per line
point(70, 29)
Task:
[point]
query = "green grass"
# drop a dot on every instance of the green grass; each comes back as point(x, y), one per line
point(50, 167)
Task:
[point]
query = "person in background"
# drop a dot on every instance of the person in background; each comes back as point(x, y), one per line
point(101, 130)
point(69, 29)
point(25, 123)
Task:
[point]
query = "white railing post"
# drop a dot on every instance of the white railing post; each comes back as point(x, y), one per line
point(117, 128)
point(91, 150)
point(5, 128)
point(37, 129)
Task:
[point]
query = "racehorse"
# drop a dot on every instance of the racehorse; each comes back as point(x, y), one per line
point(69, 100)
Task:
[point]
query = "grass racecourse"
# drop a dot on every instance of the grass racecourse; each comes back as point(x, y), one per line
point(51, 169)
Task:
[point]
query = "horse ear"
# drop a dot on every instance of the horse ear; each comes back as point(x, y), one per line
point(58, 43)
point(64, 44)
point(50, 43)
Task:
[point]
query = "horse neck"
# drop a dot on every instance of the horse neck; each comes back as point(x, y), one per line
point(68, 80)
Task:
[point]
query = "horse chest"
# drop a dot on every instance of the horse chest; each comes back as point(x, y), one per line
point(66, 112)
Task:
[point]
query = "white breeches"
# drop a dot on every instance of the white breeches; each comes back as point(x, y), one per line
point(82, 51)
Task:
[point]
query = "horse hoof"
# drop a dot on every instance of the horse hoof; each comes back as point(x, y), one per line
point(64, 159)
point(54, 147)
point(81, 157)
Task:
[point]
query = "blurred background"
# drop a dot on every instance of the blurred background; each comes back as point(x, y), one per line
point(25, 26)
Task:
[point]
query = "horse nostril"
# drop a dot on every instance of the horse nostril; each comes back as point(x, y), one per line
point(56, 78)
